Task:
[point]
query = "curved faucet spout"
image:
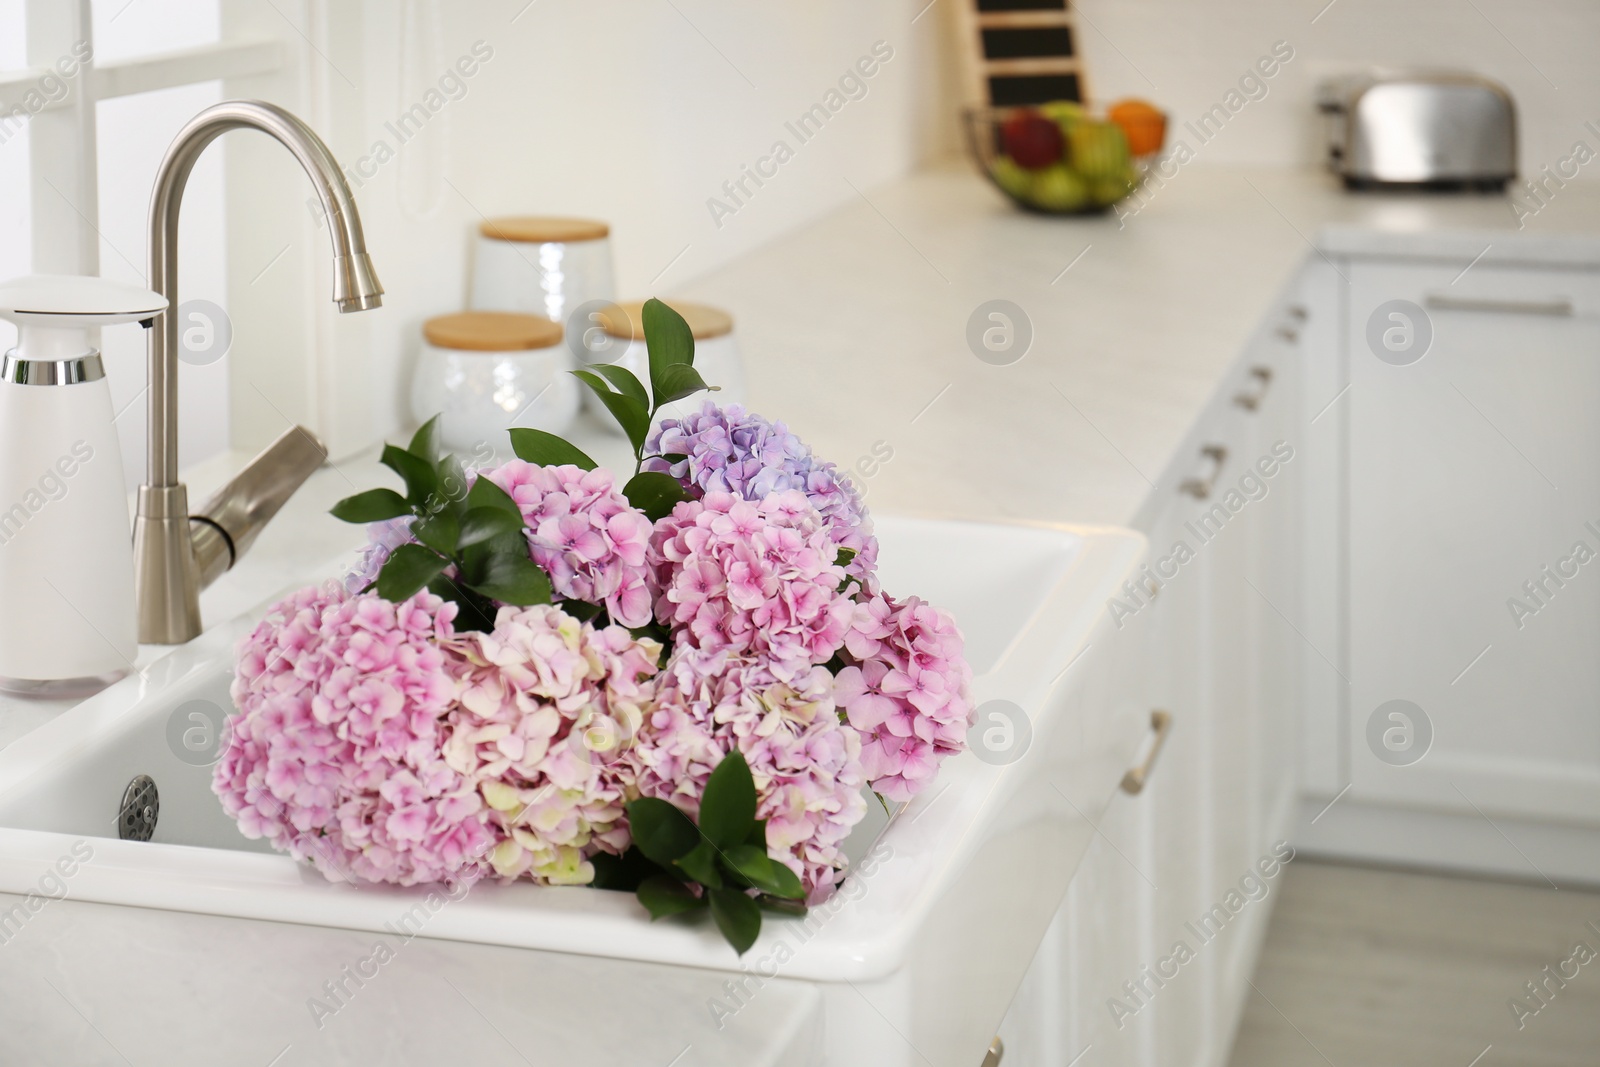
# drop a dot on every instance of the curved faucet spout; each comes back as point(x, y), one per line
point(355, 285)
point(167, 576)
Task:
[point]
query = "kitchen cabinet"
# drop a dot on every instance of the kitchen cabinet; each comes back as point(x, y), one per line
point(1148, 959)
point(1470, 458)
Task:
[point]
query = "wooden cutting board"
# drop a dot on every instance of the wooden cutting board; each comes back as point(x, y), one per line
point(1020, 52)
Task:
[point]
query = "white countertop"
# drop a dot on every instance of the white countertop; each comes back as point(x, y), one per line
point(853, 331)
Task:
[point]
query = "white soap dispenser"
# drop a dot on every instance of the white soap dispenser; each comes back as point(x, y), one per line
point(67, 616)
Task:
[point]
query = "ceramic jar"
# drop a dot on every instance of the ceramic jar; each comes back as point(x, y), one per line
point(486, 371)
point(540, 265)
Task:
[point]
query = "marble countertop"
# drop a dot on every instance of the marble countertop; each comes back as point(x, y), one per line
point(853, 329)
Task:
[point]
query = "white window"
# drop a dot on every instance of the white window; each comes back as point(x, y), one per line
point(91, 94)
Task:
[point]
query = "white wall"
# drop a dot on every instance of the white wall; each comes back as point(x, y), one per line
point(1184, 56)
point(623, 110)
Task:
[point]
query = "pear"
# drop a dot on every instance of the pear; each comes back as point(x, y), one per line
point(1098, 149)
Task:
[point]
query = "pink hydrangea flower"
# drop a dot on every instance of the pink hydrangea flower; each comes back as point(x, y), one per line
point(906, 691)
point(548, 706)
point(731, 450)
point(751, 576)
point(805, 762)
point(335, 752)
point(584, 533)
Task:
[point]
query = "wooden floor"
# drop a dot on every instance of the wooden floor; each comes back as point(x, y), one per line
point(1379, 968)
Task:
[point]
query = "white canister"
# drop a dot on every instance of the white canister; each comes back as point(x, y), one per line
point(484, 372)
point(541, 266)
point(716, 354)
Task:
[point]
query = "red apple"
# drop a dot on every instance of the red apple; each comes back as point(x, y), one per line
point(1032, 140)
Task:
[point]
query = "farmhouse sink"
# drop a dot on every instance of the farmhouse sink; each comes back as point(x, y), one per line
point(918, 954)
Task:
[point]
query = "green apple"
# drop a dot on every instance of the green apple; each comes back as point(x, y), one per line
point(1059, 188)
point(1011, 177)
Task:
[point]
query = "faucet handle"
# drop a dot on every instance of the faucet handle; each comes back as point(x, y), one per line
point(227, 524)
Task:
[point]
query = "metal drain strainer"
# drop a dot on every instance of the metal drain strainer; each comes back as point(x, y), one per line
point(141, 805)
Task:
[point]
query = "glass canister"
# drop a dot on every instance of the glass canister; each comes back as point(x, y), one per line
point(716, 354)
point(484, 372)
point(540, 265)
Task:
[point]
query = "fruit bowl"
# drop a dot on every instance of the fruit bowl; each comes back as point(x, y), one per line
point(1060, 159)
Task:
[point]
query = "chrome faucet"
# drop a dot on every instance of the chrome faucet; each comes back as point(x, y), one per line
point(176, 554)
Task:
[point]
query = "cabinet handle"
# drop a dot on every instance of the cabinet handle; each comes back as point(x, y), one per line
point(1289, 333)
point(1560, 306)
point(1298, 313)
point(1200, 487)
point(1133, 782)
point(1252, 401)
point(997, 1050)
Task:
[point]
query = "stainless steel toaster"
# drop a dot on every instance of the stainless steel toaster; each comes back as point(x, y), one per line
point(1422, 130)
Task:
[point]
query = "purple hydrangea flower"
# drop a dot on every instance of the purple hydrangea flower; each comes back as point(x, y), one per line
point(731, 450)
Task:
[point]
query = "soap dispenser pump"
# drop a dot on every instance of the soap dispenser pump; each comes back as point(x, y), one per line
point(67, 615)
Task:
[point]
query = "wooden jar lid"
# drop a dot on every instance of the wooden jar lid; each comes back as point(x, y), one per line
point(540, 229)
point(491, 331)
point(705, 322)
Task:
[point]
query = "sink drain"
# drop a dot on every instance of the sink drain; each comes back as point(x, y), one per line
point(141, 805)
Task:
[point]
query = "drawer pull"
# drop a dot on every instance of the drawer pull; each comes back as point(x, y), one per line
point(1289, 333)
point(1161, 723)
point(996, 1051)
point(1561, 306)
point(1262, 376)
point(1200, 487)
point(1298, 313)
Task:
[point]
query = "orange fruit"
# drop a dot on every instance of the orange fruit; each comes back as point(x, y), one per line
point(1143, 123)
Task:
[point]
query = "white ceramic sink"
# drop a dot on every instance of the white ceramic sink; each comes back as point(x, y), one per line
point(920, 956)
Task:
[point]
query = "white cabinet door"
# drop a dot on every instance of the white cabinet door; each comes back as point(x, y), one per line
point(1475, 539)
point(1174, 805)
point(1275, 571)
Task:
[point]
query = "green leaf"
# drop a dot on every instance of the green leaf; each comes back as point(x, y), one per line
point(422, 481)
point(482, 524)
point(670, 342)
point(439, 532)
point(660, 830)
point(700, 864)
point(375, 505)
point(737, 916)
point(425, 442)
point(623, 873)
point(728, 805)
point(654, 493)
point(678, 381)
point(752, 864)
point(624, 381)
point(452, 486)
point(786, 882)
point(664, 895)
point(547, 450)
point(473, 612)
point(409, 568)
point(507, 574)
point(485, 494)
point(763, 872)
point(758, 832)
point(844, 557)
point(631, 414)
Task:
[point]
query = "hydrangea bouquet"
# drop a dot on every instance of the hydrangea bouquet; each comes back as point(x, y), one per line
point(682, 686)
